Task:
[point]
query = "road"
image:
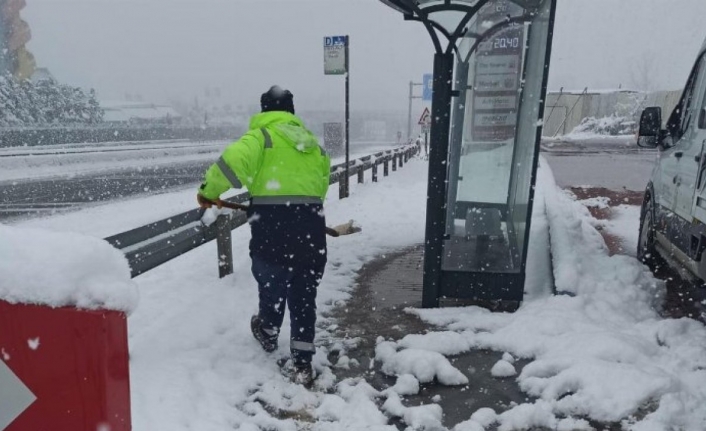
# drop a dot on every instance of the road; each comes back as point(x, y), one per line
point(44, 180)
point(19, 199)
point(615, 171)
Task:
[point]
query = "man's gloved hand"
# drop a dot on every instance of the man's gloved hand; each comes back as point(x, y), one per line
point(207, 203)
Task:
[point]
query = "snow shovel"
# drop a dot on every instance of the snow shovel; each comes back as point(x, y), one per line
point(336, 231)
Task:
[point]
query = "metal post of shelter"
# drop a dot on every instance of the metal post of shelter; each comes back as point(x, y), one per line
point(436, 192)
point(348, 118)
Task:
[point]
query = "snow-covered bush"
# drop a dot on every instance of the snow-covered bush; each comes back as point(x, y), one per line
point(45, 103)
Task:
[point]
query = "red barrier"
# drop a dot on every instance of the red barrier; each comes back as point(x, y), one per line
point(75, 362)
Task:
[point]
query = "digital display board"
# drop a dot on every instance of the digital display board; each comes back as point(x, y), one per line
point(497, 73)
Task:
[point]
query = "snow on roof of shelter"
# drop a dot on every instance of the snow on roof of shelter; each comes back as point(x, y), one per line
point(122, 111)
point(59, 269)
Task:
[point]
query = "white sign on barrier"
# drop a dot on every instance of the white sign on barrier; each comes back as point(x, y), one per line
point(15, 397)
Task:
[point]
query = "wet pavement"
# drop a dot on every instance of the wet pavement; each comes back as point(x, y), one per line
point(614, 171)
point(385, 287)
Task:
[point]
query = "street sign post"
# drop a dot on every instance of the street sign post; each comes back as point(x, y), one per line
point(336, 62)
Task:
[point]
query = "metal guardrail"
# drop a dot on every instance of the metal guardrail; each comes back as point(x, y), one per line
point(22, 137)
point(149, 246)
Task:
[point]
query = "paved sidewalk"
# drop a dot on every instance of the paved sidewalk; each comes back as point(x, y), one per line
point(385, 287)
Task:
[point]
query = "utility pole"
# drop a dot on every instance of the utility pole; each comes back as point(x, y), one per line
point(409, 112)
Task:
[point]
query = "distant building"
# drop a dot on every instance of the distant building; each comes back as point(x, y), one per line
point(139, 113)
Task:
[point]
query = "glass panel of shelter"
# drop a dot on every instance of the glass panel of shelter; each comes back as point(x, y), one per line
point(492, 149)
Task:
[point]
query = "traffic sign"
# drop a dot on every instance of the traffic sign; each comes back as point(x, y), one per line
point(428, 89)
point(15, 397)
point(425, 119)
point(335, 62)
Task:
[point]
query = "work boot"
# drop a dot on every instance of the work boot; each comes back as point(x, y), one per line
point(303, 375)
point(268, 342)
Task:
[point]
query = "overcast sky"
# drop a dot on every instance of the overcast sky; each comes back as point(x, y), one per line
point(166, 49)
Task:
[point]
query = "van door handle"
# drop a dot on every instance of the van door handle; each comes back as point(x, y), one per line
point(697, 158)
point(678, 154)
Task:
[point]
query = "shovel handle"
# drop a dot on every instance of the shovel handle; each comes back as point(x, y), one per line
point(243, 207)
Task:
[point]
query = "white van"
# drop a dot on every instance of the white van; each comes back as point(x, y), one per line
point(673, 220)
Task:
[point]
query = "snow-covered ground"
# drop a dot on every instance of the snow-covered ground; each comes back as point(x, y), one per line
point(597, 350)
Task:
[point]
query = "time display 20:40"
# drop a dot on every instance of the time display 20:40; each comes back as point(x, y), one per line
point(506, 43)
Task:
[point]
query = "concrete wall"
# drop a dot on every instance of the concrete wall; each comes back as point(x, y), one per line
point(565, 110)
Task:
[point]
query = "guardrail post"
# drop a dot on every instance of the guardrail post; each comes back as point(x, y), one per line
point(386, 167)
point(342, 185)
point(361, 174)
point(394, 162)
point(225, 246)
point(375, 172)
point(401, 160)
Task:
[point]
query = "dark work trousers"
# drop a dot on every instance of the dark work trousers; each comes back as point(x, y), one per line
point(288, 251)
point(295, 286)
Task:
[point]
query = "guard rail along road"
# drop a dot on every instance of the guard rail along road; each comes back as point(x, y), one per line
point(149, 246)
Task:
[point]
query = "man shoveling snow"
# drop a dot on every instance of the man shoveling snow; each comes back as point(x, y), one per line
point(287, 173)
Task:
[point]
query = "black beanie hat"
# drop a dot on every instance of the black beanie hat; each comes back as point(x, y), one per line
point(277, 99)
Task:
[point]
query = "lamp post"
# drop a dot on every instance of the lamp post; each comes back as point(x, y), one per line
point(475, 247)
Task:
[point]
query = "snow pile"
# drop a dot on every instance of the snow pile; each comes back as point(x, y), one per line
point(600, 351)
point(62, 269)
point(503, 368)
point(406, 384)
point(625, 223)
point(612, 126)
point(424, 365)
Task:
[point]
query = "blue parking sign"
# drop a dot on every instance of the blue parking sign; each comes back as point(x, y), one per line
point(334, 40)
point(428, 87)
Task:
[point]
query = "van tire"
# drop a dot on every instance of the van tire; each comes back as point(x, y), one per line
point(646, 249)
